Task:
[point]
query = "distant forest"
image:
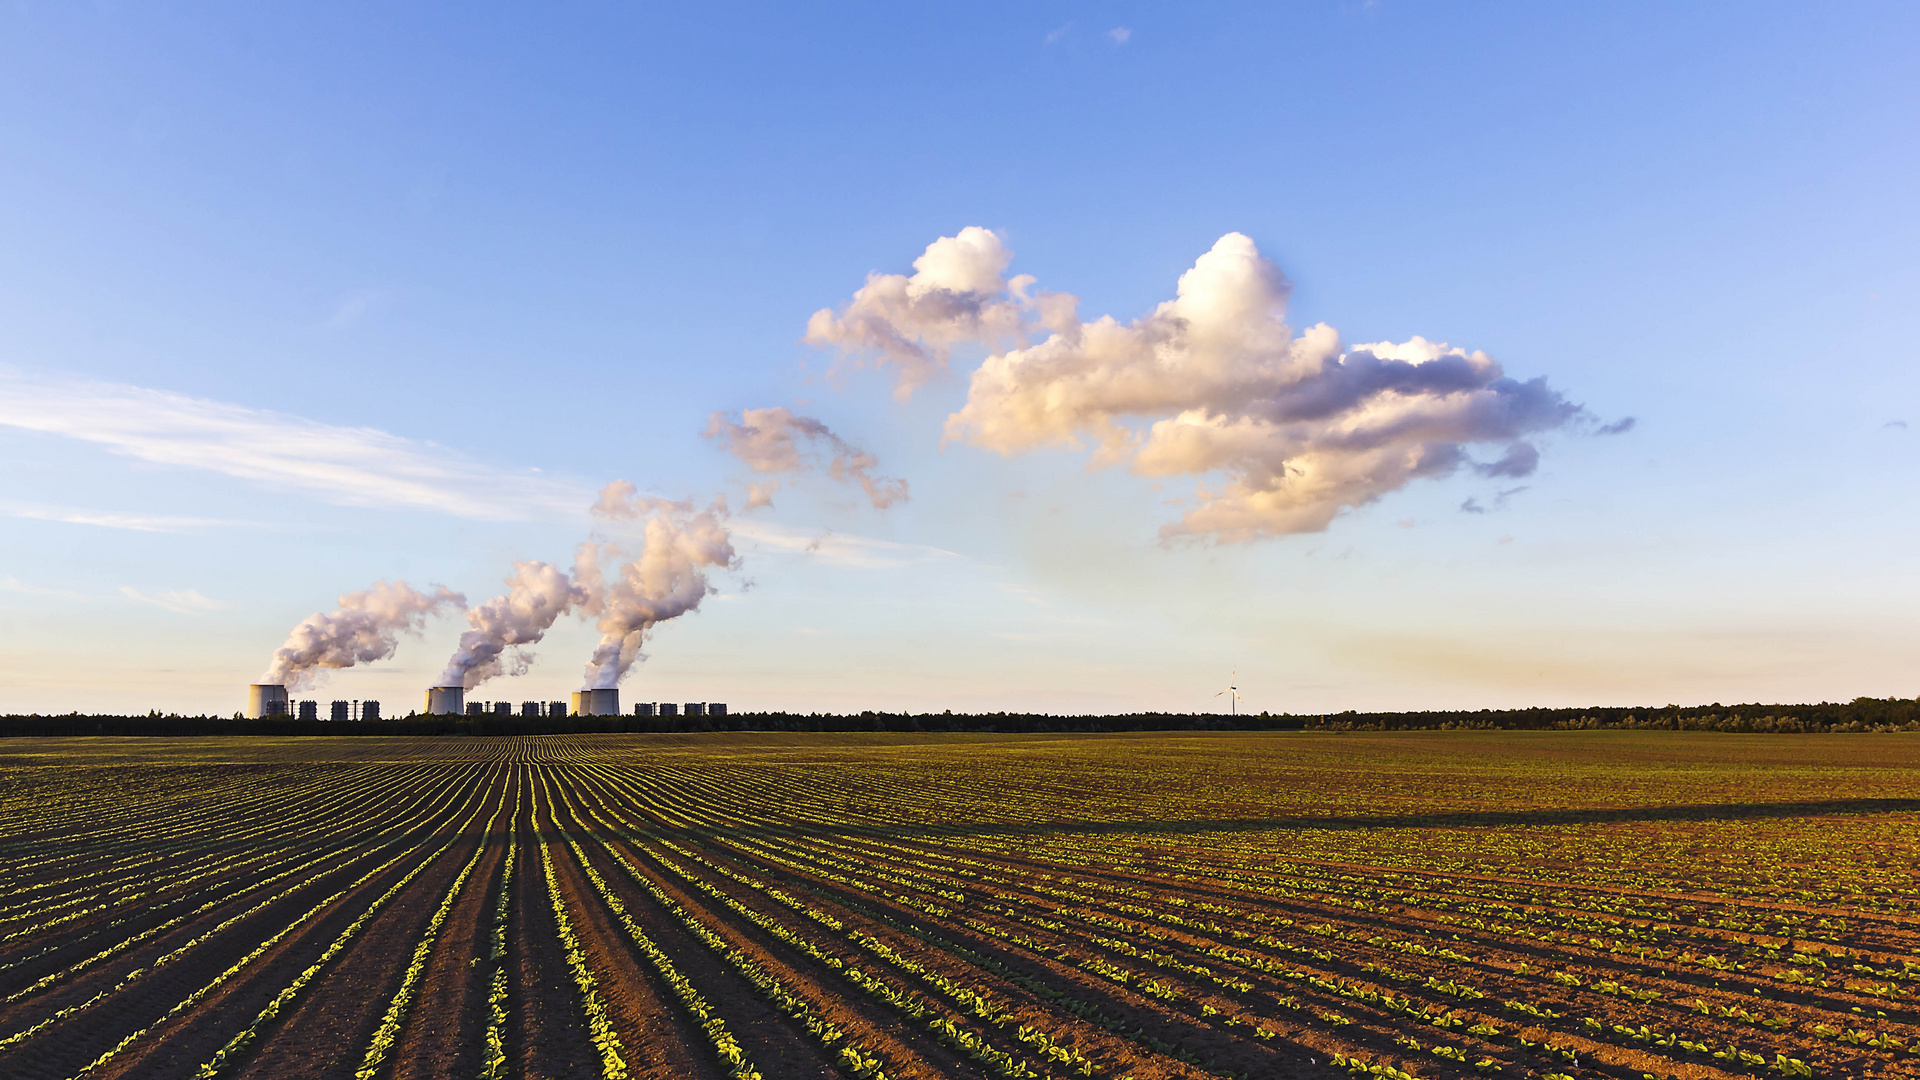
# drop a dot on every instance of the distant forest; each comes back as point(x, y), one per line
point(1858, 715)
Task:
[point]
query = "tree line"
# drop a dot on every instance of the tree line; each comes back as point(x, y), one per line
point(1859, 715)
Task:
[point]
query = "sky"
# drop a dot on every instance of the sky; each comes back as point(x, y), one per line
point(1060, 357)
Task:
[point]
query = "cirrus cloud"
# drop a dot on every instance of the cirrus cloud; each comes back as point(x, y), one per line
point(349, 466)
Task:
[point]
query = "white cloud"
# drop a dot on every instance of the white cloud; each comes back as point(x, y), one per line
point(956, 294)
point(348, 466)
point(1119, 35)
point(14, 585)
point(113, 519)
point(775, 441)
point(1284, 431)
point(180, 601)
point(836, 548)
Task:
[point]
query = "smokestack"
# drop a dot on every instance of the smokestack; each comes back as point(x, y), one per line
point(266, 699)
point(446, 701)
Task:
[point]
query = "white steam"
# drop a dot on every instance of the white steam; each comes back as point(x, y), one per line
point(775, 441)
point(666, 580)
point(365, 627)
point(538, 593)
point(1211, 383)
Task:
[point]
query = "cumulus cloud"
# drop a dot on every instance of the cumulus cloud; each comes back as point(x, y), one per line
point(1520, 459)
point(666, 580)
point(776, 441)
point(1283, 430)
point(957, 293)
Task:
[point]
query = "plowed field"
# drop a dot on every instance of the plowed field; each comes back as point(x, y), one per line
point(1493, 904)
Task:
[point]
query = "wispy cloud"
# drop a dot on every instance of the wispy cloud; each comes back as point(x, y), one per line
point(1119, 35)
point(836, 548)
point(9, 583)
point(348, 466)
point(355, 307)
point(180, 601)
point(113, 519)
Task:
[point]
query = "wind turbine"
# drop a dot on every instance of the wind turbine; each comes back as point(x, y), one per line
point(1232, 692)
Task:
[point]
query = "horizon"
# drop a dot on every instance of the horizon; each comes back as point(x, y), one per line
point(1073, 360)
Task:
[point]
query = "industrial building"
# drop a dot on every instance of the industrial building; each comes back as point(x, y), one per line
point(504, 709)
point(693, 708)
point(596, 703)
point(265, 700)
point(269, 701)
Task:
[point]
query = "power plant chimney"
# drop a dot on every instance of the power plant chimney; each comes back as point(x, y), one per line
point(446, 701)
point(266, 699)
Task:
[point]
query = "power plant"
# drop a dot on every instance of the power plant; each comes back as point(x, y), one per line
point(596, 703)
point(266, 699)
point(270, 701)
point(446, 701)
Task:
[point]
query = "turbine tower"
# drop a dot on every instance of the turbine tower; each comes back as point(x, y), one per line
point(1232, 692)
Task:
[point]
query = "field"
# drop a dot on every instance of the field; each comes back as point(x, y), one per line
point(1444, 904)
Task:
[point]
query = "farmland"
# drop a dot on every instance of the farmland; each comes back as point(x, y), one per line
point(1431, 904)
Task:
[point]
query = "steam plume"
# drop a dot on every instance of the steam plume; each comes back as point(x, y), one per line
point(773, 441)
point(666, 580)
point(538, 594)
point(1210, 383)
point(365, 627)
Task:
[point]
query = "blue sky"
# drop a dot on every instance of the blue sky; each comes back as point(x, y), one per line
point(508, 255)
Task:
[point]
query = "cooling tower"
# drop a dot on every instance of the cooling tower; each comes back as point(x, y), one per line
point(596, 703)
point(446, 701)
point(266, 699)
